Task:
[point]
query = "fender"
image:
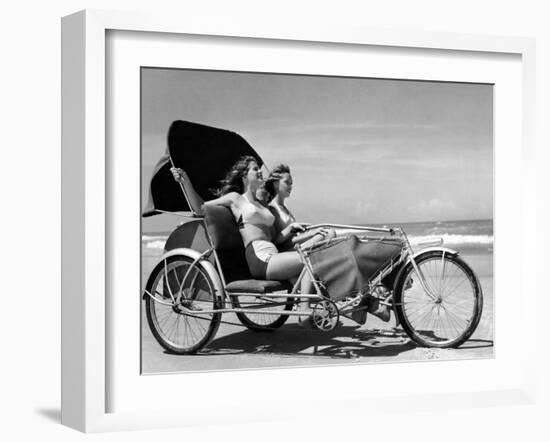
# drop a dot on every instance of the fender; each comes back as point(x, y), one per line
point(417, 254)
point(205, 264)
point(434, 249)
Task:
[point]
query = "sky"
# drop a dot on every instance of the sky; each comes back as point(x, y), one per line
point(360, 150)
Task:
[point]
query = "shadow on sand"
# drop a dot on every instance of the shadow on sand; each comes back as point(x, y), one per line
point(477, 343)
point(344, 342)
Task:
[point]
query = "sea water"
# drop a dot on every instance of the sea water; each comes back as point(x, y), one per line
point(472, 236)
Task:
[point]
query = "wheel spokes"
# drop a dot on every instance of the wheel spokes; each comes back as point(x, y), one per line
point(175, 326)
point(449, 315)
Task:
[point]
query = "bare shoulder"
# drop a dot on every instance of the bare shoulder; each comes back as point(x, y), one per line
point(274, 207)
point(235, 198)
point(229, 199)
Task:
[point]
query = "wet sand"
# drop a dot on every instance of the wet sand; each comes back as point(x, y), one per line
point(236, 347)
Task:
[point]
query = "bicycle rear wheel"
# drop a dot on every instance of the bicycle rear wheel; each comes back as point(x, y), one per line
point(174, 308)
point(262, 321)
point(448, 317)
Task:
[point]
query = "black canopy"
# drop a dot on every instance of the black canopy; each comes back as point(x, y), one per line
point(205, 153)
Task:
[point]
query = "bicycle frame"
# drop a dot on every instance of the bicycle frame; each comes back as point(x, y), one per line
point(407, 254)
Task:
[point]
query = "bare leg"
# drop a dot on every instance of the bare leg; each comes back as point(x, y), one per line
point(306, 286)
point(304, 306)
point(284, 266)
point(318, 237)
point(313, 240)
point(288, 265)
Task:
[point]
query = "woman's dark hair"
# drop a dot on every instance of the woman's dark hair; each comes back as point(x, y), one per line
point(274, 177)
point(233, 181)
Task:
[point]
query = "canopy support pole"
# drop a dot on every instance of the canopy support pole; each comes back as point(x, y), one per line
point(182, 187)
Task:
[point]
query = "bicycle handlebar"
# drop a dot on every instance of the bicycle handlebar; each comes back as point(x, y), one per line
point(355, 227)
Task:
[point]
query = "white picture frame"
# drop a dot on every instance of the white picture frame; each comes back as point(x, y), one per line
point(87, 213)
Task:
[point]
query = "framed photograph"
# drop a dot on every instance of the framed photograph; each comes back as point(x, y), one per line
point(343, 145)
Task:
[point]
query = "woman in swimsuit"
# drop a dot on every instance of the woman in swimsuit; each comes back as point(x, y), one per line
point(279, 186)
point(256, 224)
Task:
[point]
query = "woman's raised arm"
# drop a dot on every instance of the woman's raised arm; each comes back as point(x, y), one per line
point(228, 200)
point(194, 198)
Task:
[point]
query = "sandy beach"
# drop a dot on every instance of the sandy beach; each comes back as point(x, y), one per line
point(236, 347)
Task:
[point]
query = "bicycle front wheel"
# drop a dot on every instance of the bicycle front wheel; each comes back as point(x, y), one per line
point(450, 313)
point(175, 307)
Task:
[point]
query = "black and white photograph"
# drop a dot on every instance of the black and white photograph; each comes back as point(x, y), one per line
point(275, 221)
point(301, 220)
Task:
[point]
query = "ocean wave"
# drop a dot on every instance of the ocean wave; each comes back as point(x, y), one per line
point(154, 237)
point(155, 242)
point(449, 238)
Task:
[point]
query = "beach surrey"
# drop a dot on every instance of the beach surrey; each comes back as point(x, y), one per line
point(417, 155)
point(236, 347)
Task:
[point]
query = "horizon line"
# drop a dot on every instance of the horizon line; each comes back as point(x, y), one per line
point(369, 224)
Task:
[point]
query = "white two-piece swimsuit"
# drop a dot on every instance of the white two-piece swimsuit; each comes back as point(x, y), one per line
point(255, 223)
